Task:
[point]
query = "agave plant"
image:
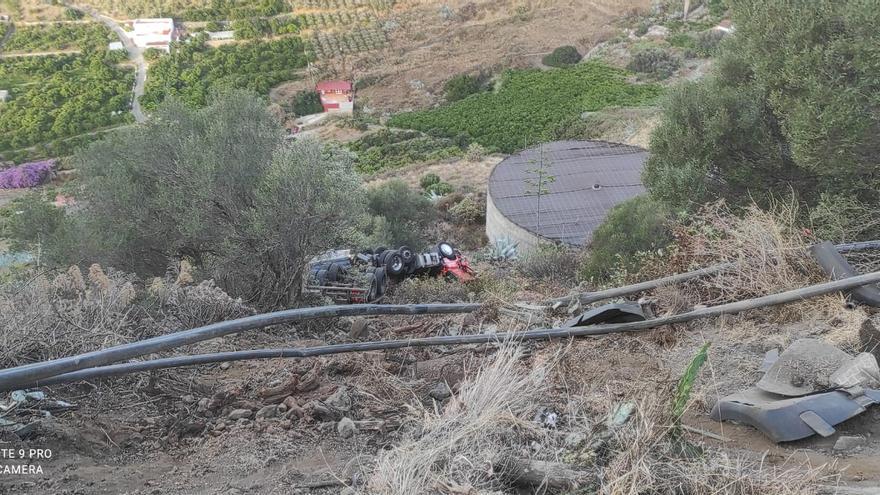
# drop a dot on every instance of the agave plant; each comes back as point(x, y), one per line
point(502, 249)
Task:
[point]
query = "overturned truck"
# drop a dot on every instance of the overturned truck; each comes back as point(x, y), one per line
point(366, 276)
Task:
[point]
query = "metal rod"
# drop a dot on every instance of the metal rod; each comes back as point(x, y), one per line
point(552, 333)
point(13, 378)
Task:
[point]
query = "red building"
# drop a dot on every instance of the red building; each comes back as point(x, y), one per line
point(336, 96)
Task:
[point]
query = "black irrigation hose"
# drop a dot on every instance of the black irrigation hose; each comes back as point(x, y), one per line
point(553, 333)
point(14, 378)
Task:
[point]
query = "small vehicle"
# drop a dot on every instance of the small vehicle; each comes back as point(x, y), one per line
point(365, 277)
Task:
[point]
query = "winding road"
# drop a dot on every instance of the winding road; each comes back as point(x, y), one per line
point(135, 54)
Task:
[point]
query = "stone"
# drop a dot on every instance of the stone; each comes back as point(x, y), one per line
point(849, 443)
point(657, 31)
point(237, 414)
point(188, 399)
point(204, 404)
point(225, 365)
point(294, 412)
point(346, 428)
point(340, 400)
point(440, 391)
point(360, 328)
point(267, 412)
point(290, 402)
point(282, 408)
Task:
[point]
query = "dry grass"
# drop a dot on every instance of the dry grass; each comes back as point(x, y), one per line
point(768, 247)
point(459, 445)
point(45, 318)
point(647, 457)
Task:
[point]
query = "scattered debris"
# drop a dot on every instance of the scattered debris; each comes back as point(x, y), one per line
point(849, 443)
point(625, 312)
point(346, 427)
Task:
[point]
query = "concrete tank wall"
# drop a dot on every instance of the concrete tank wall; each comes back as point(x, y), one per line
point(498, 226)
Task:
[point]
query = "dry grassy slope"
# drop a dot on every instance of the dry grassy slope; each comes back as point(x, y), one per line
point(426, 49)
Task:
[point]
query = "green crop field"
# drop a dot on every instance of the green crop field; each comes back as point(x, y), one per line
point(529, 104)
point(90, 36)
point(60, 96)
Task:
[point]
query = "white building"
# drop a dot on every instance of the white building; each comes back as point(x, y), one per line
point(221, 35)
point(4, 95)
point(153, 33)
point(115, 46)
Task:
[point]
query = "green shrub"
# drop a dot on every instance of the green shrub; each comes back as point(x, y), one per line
point(428, 180)
point(781, 119)
point(640, 224)
point(440, 189)
point(153, 54)
point(307, 103)
point(467, 211)
point(462, 86)
point(244, 205)
point(562, 57)
point(655, 61)
point(402, 215)
point(708, 42)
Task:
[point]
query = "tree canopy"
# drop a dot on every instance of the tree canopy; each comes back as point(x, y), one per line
point(793, 104)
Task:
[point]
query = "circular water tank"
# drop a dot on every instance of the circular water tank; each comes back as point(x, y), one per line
point(560, 191)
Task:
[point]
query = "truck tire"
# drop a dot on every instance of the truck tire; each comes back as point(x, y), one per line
point(333, 272)
point(321, 277)
point(372, 288)
point(381, 282)
point(446, 250)
point(407, 254)
point(394, 264)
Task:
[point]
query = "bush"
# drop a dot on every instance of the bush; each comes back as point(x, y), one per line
point(562, 57)
point(708, 42)
point(440, 189)
point(26, 175)
point(843, 218)
point(248, 208)
point(403, 215)
point(461, 86)
point(467, 211)
point(153, 54)
point(776, 120)
point(640, 224)
point(654, 61)
point(307, 103)
point(475, 152)
point(429, 180)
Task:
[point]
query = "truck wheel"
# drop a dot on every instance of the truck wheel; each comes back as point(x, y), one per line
point(446, 250)
point(381, 282)
point(372, 288)
point(321, 277)
point(394, 264)
point(406, 253)
point(334, 272)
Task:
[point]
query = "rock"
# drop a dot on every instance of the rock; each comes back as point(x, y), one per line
point(290, 403)
point(294, 412)
point(360, 328)
point(267, 412)
point(281, 408)
point(237, 414)
point(346, 427)
point(188, 399)
point(440, 391)
point(204, 404)
point(849, 443)
point(340, 400)
point(225, 365)
point(657, 31)
point(348, 491)
point(321, 412)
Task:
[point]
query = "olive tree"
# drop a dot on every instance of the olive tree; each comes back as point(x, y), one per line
point(218, 186)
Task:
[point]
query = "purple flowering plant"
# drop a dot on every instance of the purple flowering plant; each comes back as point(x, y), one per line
point(29, 174)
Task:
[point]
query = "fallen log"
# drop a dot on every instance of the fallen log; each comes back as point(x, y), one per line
point(541, 334)
point(13, 378)
point(555, 476)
